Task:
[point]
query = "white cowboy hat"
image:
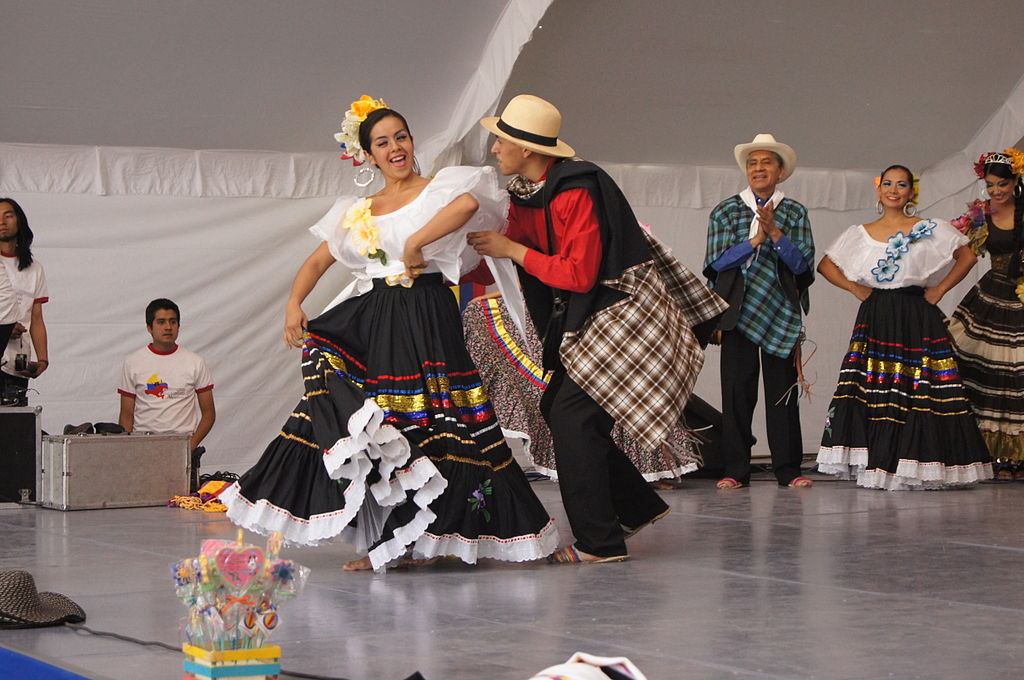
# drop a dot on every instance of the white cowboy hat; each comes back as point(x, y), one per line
point(766, 142)
point(532, 123)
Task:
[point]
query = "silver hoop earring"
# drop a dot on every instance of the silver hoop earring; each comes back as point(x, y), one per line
point(878, 207)
point(1017, 190)
point(361, 180)
point(909, 209)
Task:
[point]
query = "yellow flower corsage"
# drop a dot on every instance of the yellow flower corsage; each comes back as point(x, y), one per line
point(365, 237)
point(1020, 289)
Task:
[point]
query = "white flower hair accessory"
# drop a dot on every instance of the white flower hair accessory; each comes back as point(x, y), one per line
point(349, 135)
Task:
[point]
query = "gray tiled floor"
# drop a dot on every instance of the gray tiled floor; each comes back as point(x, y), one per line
point(827, 582)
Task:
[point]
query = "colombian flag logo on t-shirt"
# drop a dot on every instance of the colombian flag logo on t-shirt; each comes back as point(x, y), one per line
point(155, 386)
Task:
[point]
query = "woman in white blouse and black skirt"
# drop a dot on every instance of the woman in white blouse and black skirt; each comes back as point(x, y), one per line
point(899, 418)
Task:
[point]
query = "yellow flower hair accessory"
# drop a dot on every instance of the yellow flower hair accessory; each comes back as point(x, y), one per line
point(915, 189)
point(1016, 161)
point(349, 135)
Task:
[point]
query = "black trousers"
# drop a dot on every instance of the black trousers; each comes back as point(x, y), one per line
point(601, 488)
point(741, 362)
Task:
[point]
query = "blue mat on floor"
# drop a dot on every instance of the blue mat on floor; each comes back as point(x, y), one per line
point(15, 665)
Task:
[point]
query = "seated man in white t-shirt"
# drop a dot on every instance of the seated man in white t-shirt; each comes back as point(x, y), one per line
point(162, 384)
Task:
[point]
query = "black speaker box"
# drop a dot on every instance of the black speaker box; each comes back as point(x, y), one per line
point(19, 448)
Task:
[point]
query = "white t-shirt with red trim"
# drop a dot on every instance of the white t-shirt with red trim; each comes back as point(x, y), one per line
point(29, 286)
point(164, 387)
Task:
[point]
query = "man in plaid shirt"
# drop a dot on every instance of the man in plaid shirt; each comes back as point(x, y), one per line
point(760, 256)
point(616, 312)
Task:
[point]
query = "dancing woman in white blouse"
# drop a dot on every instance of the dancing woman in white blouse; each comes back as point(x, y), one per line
point(394, 446)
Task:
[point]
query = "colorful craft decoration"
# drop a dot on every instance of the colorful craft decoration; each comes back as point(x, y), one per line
point(232, 591)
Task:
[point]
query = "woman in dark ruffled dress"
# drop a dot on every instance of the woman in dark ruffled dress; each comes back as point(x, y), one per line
point(900, 418)
point(988, 326)
point(394, 445)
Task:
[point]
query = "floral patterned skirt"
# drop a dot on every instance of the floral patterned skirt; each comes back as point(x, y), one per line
point(394, 445)
point(988, 334)
point(510, 368)
point(899, 418)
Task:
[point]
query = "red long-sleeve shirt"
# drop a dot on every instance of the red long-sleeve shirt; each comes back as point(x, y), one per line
point(577, 249)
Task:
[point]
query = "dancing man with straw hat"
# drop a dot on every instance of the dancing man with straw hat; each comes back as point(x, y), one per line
point(759, 257)
point(617, 314)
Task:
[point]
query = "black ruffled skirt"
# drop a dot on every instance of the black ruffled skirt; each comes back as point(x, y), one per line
point(900, 417)
point(394, 444)
point(988, 334)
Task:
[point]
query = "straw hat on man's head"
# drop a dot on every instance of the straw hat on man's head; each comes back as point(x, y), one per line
point(766, 142)
point(532, 123)
point(22, 606)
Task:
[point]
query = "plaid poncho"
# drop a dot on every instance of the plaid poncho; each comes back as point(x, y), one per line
point(767, 318)
point(629, 341)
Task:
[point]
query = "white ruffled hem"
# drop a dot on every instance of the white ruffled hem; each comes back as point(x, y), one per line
point(264, 518)
point(424, 476)
point(909, 475)
point(469, 550)
point(670, 474)
point(352, 458)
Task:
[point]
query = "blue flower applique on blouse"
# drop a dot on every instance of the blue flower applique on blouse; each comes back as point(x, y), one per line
point(886, 270)
point(922, 229)
point(899, 245)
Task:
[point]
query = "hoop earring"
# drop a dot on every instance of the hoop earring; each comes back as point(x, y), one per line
point(878, 207)
point(361, 180)
point(1016, 190)
point(416, 165)
point(909, 209)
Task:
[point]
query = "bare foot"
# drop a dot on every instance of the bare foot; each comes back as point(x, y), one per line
point(362, 564)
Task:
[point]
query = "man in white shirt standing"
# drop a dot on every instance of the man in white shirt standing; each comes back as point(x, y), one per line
point(25, 353)
point(162, 384)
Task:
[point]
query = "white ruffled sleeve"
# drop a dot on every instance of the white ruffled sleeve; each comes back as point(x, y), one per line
point(849, 254)
point(452, 255)
point(936, 255)
point(328, 227)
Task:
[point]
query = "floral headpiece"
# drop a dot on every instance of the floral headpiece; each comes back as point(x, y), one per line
point(349, 135)
point(915, 188)
point(1010, 156)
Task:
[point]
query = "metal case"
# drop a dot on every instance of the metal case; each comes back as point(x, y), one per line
point(20, 434)
point(84, 472)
